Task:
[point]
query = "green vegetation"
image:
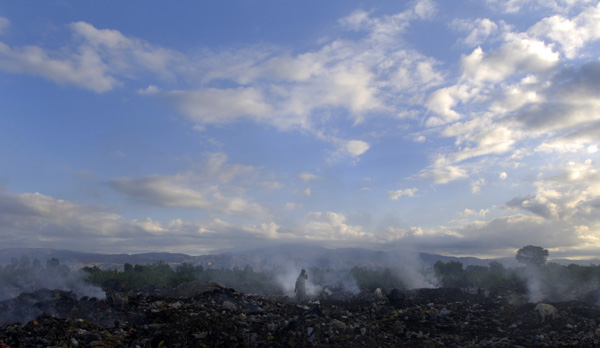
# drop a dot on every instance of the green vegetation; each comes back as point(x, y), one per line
point(550, 278)
point(532, 256)
point(161, 274)
point(371, 279)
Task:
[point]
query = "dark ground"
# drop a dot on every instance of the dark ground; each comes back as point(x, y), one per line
point(199, 314)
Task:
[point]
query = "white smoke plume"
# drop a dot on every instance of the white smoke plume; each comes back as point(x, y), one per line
point(18, 280)
point(316, 283)
point(418, 278)
point(555, 283)
point(410, 269)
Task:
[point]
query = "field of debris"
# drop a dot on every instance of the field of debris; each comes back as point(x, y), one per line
point(204, 314)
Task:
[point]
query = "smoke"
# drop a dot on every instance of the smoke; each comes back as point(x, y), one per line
point(554, 283)
point(536, 289)
point(286, 280)
point(417, 278)
point(318, 281)
point(410, 269)
point(16, 281)
point(341, 282)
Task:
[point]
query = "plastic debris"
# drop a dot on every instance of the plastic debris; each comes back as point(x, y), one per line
point(198, 314)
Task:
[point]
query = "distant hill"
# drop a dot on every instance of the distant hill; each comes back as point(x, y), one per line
point(271, 258)
point(80, 259)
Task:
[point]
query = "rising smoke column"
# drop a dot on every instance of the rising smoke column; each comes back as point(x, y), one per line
point(23, 277)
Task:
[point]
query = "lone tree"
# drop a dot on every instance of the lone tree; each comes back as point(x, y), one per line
point(532, 255)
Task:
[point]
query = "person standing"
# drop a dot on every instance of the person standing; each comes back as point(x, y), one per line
point(300, 289)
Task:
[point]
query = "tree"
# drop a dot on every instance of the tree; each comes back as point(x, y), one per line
point(532, 255)
point(52, 263)
point(496, 267)
point(127, 267)
point(24, 262)
point(451, 273)
point(37, 265)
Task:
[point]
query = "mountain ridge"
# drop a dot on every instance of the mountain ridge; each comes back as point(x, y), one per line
point(261, 259)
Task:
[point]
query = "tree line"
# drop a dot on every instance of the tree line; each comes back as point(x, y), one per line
point(21, 273)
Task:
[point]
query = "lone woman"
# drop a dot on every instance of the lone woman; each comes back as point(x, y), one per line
point(300, 289)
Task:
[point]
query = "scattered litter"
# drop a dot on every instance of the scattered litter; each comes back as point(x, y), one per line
point(200, 314)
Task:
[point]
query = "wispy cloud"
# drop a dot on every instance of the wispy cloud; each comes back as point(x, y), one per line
point(217, 187)
point(4, 24)
point(395, 195)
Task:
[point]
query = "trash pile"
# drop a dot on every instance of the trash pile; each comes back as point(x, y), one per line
point(204, 314)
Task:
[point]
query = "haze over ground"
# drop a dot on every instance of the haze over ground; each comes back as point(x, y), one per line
point(456, 128)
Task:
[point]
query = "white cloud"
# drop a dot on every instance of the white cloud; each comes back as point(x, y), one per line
point(385, 28)
point(572, 106)
point(96, 59)
point(357, 147)
point(481, 213)
point(221, 105)
point(481, 138)
point(442, 102)
point(306, 177)
point(290, 90)
point(126, 55)
point(409, 192)
point(506, 96)
point(514, 6)
point(175, 191)
point(571, 34)
point(500, 236)
point(478, 30)
point(28, 219)
point(519, 54)
point(330, 226)
point(509, 6)
point(102, 37)
point(150, 90)
point(370, 73)
point(291, 206)
point(420, 139)
point(300, 68)
point(477, 184)
point(517, 93)
point(35, 219)
point(4, 24)
point(443, 171)
point(569, 194)
point(84, 68)
point(561, 146)
point(212, 188)
point(425, 8)
point(271, 185)
point(349, 85)
point(357, 20)
point(526, 93)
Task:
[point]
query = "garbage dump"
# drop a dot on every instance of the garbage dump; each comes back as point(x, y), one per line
point(205, 314)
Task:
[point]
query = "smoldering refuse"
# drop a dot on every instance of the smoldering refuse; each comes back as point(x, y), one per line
point(552, 283)
point(28, 280)
point(318, 281)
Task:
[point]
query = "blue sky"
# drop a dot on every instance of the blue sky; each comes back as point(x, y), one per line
point(460, 128)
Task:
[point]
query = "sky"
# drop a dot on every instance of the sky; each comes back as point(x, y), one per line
point(467, 127)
